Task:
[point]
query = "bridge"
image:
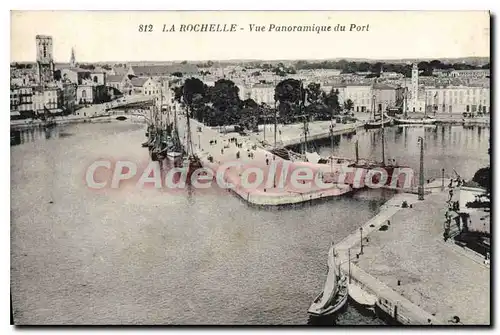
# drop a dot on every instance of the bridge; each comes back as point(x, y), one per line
point(121, 108)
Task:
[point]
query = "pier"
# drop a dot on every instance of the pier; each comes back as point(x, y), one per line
point(417, 277)
point(223, 151)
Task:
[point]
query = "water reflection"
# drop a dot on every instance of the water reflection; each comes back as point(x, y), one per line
point(18, 137)
point(464, 149)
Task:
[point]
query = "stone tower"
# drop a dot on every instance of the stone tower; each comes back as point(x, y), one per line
point(414, 87)
point(72, 60)
point(44, 59)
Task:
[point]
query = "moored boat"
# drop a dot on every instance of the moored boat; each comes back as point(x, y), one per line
point(425, 120)
point(372, 124)
point(335, 292)
point(361, 297)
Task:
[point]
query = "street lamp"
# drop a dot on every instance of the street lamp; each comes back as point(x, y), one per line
point(361, 239)
point(442, 179)
point(421, 174)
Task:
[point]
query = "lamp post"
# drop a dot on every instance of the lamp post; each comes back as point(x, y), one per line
point(361, 239)
point(442, 179)
point(421, 181)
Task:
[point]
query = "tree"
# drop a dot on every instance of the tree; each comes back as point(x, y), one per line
point(249, 103)
point(332, 102)
point(184, 62)
point(193, 95)
point(177, 74)
point(314, 93)
point(290, 94)
point(224, 97)
point(348, 104)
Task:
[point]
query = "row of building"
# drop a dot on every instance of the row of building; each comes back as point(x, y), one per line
point(386, 95)
point(63, 88)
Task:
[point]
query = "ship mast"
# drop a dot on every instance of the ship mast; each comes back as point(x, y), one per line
point(405, 107)
point(373, 108)
point(304, 118)
point(383, 136)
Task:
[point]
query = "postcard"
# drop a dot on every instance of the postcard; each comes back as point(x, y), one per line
point(250, 168)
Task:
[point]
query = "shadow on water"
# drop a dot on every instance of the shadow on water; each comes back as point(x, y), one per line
point(18, 137)
point(353, 314)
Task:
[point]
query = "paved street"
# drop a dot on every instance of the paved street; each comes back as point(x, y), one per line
point(431, 273)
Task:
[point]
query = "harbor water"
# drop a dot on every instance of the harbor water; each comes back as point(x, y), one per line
point(132, 256)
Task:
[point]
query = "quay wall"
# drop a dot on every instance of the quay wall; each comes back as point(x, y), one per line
point(314, 136)
point(392, 303)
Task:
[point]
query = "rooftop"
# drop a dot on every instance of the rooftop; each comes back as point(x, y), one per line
point(156, 70)
point(139, 82)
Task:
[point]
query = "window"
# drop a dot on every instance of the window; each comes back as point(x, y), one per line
point(95, 79)
point(44, 51)
point(84, 94)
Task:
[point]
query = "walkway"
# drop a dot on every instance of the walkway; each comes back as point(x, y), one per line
point(430, 278)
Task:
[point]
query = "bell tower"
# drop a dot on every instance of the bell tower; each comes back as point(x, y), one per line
point(72, 61)
point(44, 59)
point(414, 86)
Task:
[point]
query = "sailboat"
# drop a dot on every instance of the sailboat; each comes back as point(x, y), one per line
point(406, 120)
point(191, 161)
point(149, 135)
point(335, 292)
point(377, 121)
point(175, 150)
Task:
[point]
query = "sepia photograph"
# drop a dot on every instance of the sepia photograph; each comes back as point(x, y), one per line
point(250, 168)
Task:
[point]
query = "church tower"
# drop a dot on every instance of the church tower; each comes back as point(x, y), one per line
point(72, 60)
point(414, 87)
point(44, 59)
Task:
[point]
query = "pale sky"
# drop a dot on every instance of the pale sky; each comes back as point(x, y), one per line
point(114, 36)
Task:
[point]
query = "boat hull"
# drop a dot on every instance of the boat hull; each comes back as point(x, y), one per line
point(335, 306)
point(415, 121)
point(377, 124)
point(173, 154)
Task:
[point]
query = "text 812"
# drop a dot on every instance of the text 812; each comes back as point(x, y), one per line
point(146, 28)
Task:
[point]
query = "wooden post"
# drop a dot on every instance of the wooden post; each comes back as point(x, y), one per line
point(349, 259)
point(421, 179)
point(361, 240)
point(275, 122)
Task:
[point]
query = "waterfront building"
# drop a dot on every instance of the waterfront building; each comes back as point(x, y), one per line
point(360, 94)
point(21, 101)
point(458, 99)
point(44, 59)
point(385, 96)
point(48, 98)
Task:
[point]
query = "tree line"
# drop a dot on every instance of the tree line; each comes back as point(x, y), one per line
point(220, 104)
point(376, 68)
